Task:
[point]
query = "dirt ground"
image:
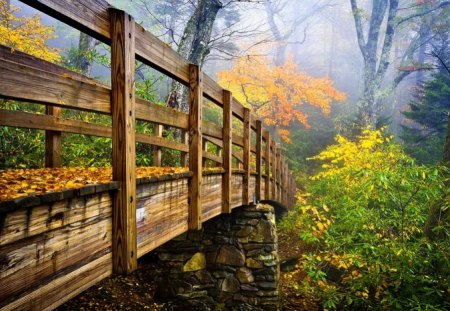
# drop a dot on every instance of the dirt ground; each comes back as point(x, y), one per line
point(136, 291)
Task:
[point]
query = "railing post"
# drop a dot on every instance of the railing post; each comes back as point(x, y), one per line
point(184, 155)
point(274, 170)
point(227, 152)
point(123, 141)
point(156, 149)
point(278, 174)
point(195, 146)
point(267, 167)
point(258, 159)
point(53, 141)
point(246, 158)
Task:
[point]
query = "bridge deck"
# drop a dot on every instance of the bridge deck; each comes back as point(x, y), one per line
point(53, 250)
point(53, 247)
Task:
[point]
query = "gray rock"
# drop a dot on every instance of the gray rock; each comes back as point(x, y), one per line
point(230, 255)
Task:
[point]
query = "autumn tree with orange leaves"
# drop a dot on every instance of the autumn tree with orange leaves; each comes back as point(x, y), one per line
point(276, 94)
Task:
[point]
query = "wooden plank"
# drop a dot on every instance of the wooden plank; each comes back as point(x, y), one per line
point(53, 141)
point(195, 146)
point(205, 150)
point(51, 123)
point(39, 84)
point(227, 151)
point(184, 155)
point(212, 90)
point(212, 196)
point(157, 54)
point(51, 295)
point(219, 143)
point(278, 172)
point(267, 166)
point(28, 78)
point(151, 112)
point(123, 141)
point(274, 170)
point(156, 149)
point(91, 17)
point(258, 159)
point(246, 181)
point(163, 213)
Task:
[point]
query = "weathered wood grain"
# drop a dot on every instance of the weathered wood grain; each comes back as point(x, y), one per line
point(29, 222)
point(123, 141)
point(236, 190)
point(162, 213)
point(195, 146)
point(227, 143)
point(54, 293)
point(246, 157)
point(53, 141)
point(212, 196)
point(258, 159)
point(29, 262)
point(267, 165)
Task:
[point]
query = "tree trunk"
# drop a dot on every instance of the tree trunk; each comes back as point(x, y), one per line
point(376, 60)
point(194, 44)
point(85, 44)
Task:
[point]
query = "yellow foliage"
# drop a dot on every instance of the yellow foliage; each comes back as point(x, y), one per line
point(276, 93)
point(26, 34)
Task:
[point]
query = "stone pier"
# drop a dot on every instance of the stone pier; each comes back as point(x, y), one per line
point(231, 264)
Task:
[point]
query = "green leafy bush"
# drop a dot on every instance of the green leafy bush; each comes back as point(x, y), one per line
point(366, 214)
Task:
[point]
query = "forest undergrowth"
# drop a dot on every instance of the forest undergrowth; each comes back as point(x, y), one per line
point(371, 230)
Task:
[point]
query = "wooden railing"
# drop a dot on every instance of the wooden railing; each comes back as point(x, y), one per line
point(26, 78)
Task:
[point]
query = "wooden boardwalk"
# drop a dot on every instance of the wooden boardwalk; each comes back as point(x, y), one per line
point(52, 248)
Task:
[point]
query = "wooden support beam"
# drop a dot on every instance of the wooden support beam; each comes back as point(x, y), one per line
point(258, 159)
point(227, 152)
point(205, 149)
point(273, 157)
point(278, 173)
point(53, 141)
point(123, 141)
point(195, 146)
point(267, 166)
point(157, 153)
point(246, 180)
point(184, 155)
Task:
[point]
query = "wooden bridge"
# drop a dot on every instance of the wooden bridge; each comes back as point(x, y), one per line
point(56, 245)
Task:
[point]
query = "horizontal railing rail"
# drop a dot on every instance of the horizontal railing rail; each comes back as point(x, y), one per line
point(27, 78)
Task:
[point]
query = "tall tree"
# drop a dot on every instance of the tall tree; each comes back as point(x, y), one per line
point(283, 30)
point(375, 40)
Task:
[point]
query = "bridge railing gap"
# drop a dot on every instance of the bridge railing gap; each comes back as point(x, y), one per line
point(58, 88)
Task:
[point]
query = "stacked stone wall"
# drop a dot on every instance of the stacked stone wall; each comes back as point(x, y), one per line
point(231, 264)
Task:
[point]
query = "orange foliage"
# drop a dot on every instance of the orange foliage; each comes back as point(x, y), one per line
point(23, 182)
point(276, 93)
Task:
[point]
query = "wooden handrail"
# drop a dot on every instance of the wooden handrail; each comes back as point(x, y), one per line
point(27, 78)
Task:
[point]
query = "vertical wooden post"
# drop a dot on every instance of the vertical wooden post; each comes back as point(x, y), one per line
point(227, 152)
point(123, 141)
point(274, 171)
point(246, 158)
point(195, 146)
point(156, 149)
point(278, 173)
point(204, 148)
point(267, 168)
point(258, 159)
point(53, 141)
point(184, 155)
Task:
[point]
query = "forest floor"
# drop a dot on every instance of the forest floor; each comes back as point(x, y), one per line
point(136, 291)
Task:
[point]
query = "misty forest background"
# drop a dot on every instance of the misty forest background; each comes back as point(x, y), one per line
point(356, 91)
